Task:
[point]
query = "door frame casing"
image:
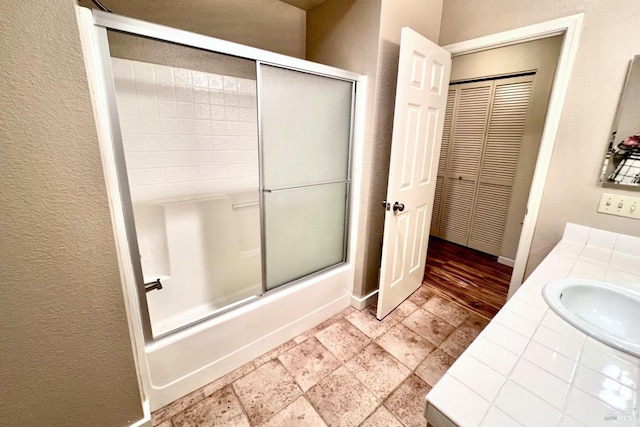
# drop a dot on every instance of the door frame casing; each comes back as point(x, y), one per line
point(570, 27)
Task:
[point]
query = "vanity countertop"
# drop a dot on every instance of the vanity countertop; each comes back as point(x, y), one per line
point(529, 367)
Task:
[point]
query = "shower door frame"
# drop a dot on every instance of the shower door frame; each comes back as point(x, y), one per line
point(97, 54)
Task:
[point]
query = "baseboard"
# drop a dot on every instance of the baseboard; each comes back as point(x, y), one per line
point(506, 261)
point(146, 420)
point(360, 303)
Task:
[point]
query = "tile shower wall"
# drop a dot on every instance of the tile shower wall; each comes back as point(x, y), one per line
point(186, 133)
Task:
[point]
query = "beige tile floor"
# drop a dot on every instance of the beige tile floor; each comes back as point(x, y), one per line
point(351, 370)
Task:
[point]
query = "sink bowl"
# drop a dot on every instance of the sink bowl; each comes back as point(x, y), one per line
point(608, 313)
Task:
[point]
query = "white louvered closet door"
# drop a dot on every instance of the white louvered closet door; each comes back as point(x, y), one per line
point(500, 158)
point(484, 126)
point(442, 162)
point(463, 160)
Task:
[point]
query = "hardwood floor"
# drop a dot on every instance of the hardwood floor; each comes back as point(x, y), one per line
point(470, 278)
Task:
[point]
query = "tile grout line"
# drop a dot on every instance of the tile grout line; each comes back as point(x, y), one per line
point(412, 371)
point(235, 393)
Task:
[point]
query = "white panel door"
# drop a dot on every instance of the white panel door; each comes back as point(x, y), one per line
point(421, 96)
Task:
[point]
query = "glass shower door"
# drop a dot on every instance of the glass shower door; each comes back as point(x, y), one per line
point(305, 139)
point(188, 120)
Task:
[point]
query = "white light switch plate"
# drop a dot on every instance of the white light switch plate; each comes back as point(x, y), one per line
point(620, 205)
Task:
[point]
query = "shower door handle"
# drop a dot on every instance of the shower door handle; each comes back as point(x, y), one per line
point(398, 207)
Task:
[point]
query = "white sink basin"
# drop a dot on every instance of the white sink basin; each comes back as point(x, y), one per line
point(608, 313)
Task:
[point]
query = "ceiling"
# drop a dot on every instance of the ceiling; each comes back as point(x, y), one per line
point(304, 4)
point(301, 4)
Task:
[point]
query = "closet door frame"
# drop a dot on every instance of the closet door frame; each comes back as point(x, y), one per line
point(570, 27)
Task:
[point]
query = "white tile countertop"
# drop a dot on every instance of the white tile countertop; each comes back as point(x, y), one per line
point(531, 368)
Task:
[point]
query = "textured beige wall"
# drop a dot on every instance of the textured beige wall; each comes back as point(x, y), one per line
point(540, 56)
point(66, 354)
point(610, 38)
point(127, 46)
point(422, 16)
point(265, 24)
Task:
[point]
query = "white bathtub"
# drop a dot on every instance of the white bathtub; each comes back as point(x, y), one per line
point(189, 359)
point(206, 250)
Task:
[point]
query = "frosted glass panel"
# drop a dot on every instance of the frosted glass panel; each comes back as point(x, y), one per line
point(304, 231)
point(189, 124)
point(305, 128)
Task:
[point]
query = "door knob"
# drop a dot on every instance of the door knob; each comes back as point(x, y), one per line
point(398, 207)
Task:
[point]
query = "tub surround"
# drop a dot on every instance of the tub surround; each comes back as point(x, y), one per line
point(529, 367)
point(191, 147)
point(209, 246)
point(185, 133)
